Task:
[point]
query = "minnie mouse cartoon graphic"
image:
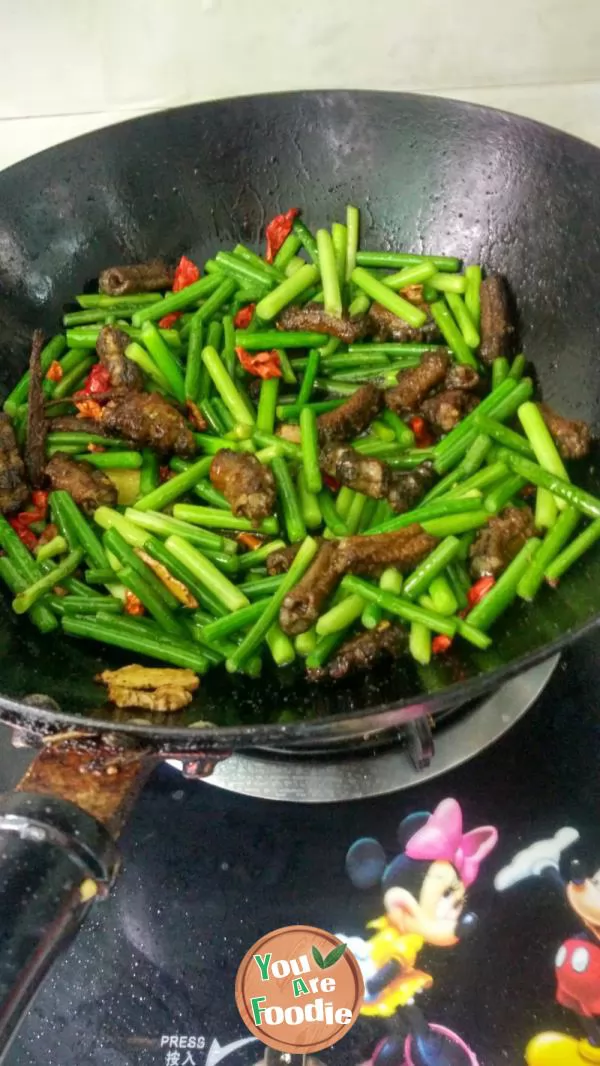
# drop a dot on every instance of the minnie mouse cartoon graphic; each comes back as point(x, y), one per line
point(424, 897)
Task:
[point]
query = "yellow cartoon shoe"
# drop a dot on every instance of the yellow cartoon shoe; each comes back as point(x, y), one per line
point(557, 1049)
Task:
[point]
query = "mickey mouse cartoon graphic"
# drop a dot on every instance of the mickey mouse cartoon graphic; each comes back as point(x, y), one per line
point(424, 895)
point(577, 961)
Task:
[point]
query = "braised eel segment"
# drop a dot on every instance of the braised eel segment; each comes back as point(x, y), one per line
point(368, 556)
point(76, 424)
point(353, 416)
point(356, 471)
point(347, 421)
point(460, 376)
point(446, 409)
point(148, 420)
point(90, 488)
point(313, 318)
point(571, 436)
point(408, 487)
point(142, 277)
point(415, 384)
point(13, 487)
point(110, 346)
point(384, 325)
point(387, 640)
point(247, 485)
point(35, 449)
point(500, 540)
point(304, 603)
point(279, 562)
point(497, 330)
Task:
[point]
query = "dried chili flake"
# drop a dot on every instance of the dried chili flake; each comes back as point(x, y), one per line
point(249, 541)
point(169, 320)
point(95, 448)
point(480, 589)
point(440, 644)
point(48, 534)
point(262, 365)
point(133, 605)
point(89, 409)
point(277, 230)
point(331, 483)
point(54, 372)
point(244, 316)
point(196, 417)
point(186, 273)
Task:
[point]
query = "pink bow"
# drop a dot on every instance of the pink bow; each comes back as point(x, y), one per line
point(442, 838)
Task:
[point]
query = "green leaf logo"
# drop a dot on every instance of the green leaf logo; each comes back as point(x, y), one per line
point(334, 956)
point(330, 960)
point(320, 961)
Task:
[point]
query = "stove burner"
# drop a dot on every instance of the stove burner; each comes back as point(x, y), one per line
point(381, 762)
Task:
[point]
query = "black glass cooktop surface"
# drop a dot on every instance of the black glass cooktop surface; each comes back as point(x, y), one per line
point(150, 980)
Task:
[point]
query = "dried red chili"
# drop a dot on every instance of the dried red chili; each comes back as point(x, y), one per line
point(169, 320)
point(24, 533)
point(262, 365)
point(244, 316)
point(186, 273)
point(37, 513)
point(440, 644)
point(277, 230)
point(98, 380)
point(40, 502)
point(423, 438)
point(54, 372)
point(480, 589)
point(331, 483)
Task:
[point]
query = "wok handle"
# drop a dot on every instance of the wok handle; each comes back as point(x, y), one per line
point(55, 859)
point(58, 853)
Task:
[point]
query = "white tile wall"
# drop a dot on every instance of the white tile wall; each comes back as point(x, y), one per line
point(71, 65)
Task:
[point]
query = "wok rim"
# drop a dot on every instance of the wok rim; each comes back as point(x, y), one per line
point(450, 101)
point(16, 713)
point(196, 739)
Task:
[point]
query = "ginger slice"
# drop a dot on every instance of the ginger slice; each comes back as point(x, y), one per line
point(149, 677)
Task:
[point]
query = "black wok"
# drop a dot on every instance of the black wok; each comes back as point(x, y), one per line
point(428, 175)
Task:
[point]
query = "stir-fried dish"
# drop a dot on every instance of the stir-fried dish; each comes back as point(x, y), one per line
point(321, 454)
